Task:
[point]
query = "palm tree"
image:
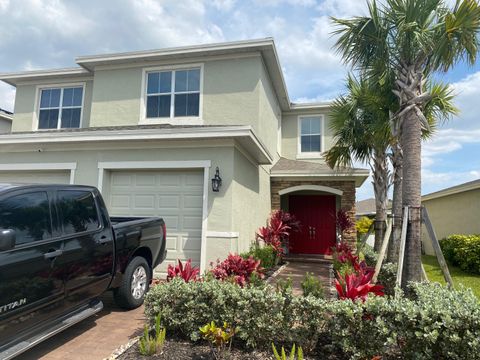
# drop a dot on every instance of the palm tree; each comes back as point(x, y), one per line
point(413, 39)
point(437, 110)
point(359, 122)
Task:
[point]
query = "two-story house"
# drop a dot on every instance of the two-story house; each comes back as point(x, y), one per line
point(151, 128)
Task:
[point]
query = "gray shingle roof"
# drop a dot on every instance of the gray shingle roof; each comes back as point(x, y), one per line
point(287, 166)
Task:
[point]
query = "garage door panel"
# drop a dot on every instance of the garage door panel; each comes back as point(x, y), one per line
point(192, 243)
point(192, 201)
point(35, 177)
point(168, 201)
point(174, 195)
point(144, 202)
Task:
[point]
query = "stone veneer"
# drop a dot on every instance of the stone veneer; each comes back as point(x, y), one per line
point(347, 200)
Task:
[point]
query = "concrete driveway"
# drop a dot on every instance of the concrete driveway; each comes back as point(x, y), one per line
point(94, 338)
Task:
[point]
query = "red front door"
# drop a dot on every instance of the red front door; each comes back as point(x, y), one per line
point(316, 214)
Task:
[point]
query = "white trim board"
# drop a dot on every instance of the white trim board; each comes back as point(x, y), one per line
point(159, 165)
point(240, 133)
point(311, 188)
point(223, 234)
point(42, 166)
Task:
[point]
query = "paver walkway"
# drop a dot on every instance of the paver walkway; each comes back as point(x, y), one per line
point(94, 338)
point(296, 271)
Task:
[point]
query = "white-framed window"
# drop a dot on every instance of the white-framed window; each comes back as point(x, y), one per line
point(60, 107)
point(310, 135)
point(172, 93)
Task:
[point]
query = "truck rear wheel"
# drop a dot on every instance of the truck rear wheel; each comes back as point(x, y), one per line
point(135, 283)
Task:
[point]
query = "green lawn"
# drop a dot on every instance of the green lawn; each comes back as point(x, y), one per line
point(434, 273)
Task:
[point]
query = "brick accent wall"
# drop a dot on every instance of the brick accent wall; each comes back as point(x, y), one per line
point(347, 200)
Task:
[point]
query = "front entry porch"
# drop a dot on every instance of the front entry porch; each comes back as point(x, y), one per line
point(317, 216)
point(315, 204)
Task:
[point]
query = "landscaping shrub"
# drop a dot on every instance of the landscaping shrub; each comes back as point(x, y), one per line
point(362, 225)
point(343, 222)
point(437, 324)
point(312, 286)
point(266, 254)
point(187, 272)
point(369, 255)
point(259, 315)
point(280, 226)
point(237, 269)
point(387, 277)
point(463, 251)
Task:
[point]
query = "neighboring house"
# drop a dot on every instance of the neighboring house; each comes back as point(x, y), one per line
point(5, 121)
point(150, 128)
point(455, 210)
point(367, 208)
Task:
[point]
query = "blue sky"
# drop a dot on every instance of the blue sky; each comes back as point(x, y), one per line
point(38, 34)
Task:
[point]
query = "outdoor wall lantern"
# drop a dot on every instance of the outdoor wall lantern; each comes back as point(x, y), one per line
point(216, 181)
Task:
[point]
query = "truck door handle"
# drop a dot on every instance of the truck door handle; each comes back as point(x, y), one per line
point(52, 254)
point(104, 239)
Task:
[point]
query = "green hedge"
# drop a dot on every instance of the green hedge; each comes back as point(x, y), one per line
point(259, 314)
point(438, 324)
point(463, 251)
point(266, 254)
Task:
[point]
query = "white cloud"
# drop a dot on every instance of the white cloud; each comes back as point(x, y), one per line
point(276, 3)
point(434, 180)
point(223, 5)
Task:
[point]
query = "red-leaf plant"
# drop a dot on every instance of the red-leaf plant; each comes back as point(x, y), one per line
point(237, 268)
point(343, 222)
point(277, 232)
point(187, 272)
point(357, 286)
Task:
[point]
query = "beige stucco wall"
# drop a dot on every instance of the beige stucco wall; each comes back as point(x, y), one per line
point(116, 97)
point(453, 214)
point(290, 132)
point(26, 96)
point(251, 199)
point(5, 126)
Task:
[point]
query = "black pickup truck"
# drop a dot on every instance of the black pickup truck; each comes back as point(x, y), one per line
point(59, 250)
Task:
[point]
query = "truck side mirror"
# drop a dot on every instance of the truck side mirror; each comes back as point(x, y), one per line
point(7, 239)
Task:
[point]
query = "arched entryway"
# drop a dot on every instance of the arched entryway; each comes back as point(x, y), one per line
point(315, 206)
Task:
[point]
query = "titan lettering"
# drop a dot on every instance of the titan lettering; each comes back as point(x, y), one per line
point(13, 305)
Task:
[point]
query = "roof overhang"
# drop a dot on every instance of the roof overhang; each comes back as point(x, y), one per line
point(16, 78)
point(243, 135)
point(6, 117)
point(473, 185)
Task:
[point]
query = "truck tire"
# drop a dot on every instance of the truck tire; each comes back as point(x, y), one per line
point(135, 284)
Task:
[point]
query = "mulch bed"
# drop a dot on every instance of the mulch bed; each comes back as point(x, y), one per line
point(176, 349)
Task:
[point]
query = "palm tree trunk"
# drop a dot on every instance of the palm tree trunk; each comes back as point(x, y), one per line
point(397, 162)
point(412, 147)
point(380, 187)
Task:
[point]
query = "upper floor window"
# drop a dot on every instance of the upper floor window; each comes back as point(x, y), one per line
point(173, 93)
point(60, 108)
point(310, 137)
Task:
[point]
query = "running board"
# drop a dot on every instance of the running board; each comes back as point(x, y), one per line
point(73, 319)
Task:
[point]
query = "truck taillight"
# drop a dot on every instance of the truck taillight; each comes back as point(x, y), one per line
point(164, 229)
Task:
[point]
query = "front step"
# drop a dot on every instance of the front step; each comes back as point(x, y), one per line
point(67, 321)
point(308, 258)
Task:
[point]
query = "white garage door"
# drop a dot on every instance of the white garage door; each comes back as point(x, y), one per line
point(35, 177)
point(174, 195)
